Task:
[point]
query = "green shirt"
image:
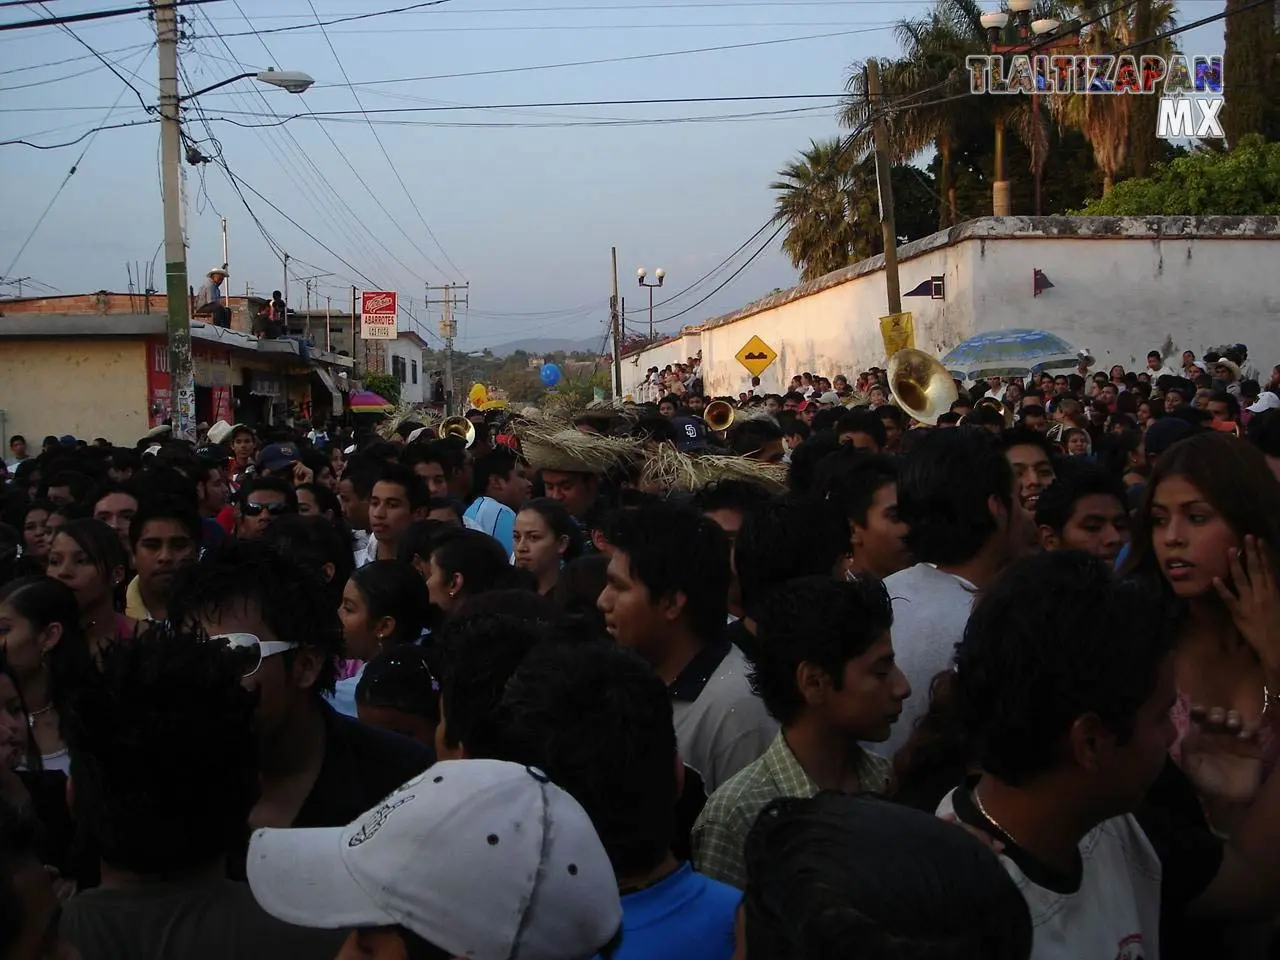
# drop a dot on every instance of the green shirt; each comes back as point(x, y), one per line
point(720, 834)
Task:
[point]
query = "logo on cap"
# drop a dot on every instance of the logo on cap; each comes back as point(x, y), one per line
point(377, 820)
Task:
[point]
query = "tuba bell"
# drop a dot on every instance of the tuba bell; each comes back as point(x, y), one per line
point(459, 427)
point(718, 416)
point(921, 385)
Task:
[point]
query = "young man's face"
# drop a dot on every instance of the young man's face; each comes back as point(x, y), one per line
point(575, 491)
point(870, 697)
point(880, 548)
point(1032, 473)
point(1036, 422)
point(242, 446)
point(860, 441)
point(116, 510)
point(436, 479)
point(18, 448)
point(355, 510)
point(1099, 525)
point(164, 545)
point(631, 615)
point(892, 433)
point(1220, 410)
point(390, 512)
point(258, 511)
point(213, 491)
point(1127, 771)
point(511, 490)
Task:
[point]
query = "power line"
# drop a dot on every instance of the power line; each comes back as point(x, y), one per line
point(326, 23)
point(387, 156)
point(65, 180)
point(65, 60)
point(106, 63)
point(79, 139)
point(54, 21)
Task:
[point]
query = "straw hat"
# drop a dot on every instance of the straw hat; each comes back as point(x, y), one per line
point(669, 470)
point(572, 451)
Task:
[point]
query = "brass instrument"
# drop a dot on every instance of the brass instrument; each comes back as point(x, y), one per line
point(718, 416)
point(1000, 407)
point(459, 427)
point(921, 385)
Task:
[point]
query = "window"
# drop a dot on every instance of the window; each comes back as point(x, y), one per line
point(398, 368)
point(414, 365)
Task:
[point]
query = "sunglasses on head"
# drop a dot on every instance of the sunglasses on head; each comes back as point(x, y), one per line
point(272, 509)
point(249, 652)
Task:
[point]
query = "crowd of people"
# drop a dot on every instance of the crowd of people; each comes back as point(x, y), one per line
point(828, 682)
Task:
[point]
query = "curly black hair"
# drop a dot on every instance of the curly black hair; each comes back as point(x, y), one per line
point(791, 536)
point(163, 753)
point(289, 595)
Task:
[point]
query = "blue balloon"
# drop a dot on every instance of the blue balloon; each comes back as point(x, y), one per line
point(550, 374)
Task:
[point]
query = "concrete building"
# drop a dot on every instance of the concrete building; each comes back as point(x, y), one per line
point(93, 367)
point(1121, 286)
point(403, 359)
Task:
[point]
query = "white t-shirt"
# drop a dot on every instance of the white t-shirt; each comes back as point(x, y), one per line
point(930, 610)
point(1114, 911)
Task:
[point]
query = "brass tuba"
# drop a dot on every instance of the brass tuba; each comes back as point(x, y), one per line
point(459, 427)
point(921, 385)
point(718, 416)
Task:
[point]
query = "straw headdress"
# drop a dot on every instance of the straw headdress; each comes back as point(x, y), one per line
point(568, 450)
point(667, 469)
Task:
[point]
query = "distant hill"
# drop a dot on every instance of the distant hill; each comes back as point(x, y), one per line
point(546, 345)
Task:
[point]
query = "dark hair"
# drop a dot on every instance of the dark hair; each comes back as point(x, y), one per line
point(313, 542)
point(478, 655)
point(674, 549)
point(163, 753)
point(74, 481)
point(1232, 476)
point(450, 458)
point(850, 479)
point(401, 678)
point(107, 488)
point(165, 508)
point(1026, 437)
point(576, 592)
point(1030, 410)
point(476, 556)
point(749, 436)
point(944, 489)
point(445, 503)
point(43, 601)
point(392, 588)
point(597, 720)
point(326, 500)
point(1264, 432)
point(863, 421)
point(21, 844)
point(1058, 502)
point(98, 541)
point(741, 495)
point(794, 626)
point(1222, 396)
point(843, 875)
point(271, 485)
point(419, 538)
point(281, 590)
point(1032, 660)
point(806, 457)
point(559, 522)
point(415, 488)
point(362, 474)
point(786, 538)
point(498, 462)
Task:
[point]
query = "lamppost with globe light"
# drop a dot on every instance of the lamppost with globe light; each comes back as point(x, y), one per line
point(994, 23)
point(658, 275)
point(178, 324)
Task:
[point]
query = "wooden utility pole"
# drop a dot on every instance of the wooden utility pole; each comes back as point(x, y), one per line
point(617, 332)
point(449, 330)
point(884, 166)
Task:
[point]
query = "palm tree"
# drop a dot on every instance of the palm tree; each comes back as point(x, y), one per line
point(828, 206)
point(1107, 121)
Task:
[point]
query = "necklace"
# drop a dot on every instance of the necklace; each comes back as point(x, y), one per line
point(32, 714)
point(977, 800)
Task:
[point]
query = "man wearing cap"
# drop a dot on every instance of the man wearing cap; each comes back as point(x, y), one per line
point(480, 859)
point(209, 299)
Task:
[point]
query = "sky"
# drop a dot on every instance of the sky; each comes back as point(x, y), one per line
point(434, 161)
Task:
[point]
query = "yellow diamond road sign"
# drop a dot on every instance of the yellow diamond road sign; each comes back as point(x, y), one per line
point(757, 356)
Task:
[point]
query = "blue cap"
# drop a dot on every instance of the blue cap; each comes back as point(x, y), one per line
point(691, 434)
point(67, 440)
point(278, 456)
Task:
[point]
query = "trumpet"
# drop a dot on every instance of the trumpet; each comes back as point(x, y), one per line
point(921, 385)
point(459, 427)
point(718, 416)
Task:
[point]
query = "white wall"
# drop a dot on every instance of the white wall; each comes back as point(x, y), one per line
point(410, 392)
point(1122, 287)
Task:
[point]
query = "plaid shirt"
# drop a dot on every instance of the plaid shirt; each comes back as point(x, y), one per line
point(720, 834)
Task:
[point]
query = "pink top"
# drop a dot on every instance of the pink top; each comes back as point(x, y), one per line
point(349, 668)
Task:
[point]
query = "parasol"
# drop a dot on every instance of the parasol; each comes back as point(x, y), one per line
point(366, 401)
point(1011, 353)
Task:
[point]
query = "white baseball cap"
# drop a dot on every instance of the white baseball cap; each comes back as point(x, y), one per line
point(1266, 401)
point(481, 858)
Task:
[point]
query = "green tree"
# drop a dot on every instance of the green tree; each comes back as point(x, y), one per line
point(1251, 71)
point(819, 200)
point(384, 385)
point(1244, 182)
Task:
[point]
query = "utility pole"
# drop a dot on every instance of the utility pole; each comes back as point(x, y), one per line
point(883, 167)
point(355, 335)
point(448, 330)
point(328, 334)
point(284, 290)
point(617, 330)
point(181, 378)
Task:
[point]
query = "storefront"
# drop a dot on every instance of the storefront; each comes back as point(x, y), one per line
point(212, 369)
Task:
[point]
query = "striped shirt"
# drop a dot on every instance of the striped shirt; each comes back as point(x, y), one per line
point(496, 519)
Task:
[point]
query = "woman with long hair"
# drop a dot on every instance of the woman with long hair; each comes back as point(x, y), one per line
point(87, 557)
point(1207, 530)
point(46, 652)
point(545, 539)
point(34, 528)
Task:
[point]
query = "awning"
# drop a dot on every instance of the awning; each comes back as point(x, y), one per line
point(366, 401)
point(336, 395)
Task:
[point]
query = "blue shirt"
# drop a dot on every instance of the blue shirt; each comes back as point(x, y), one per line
point(685, 917)
point(494, 518)
point(343, 698)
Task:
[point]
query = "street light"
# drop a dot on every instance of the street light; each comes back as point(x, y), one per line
point(659, 275)
point(181, 379)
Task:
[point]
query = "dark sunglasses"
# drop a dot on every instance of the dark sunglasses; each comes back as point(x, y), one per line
point(272, 509)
